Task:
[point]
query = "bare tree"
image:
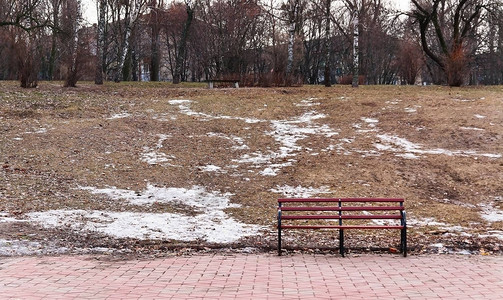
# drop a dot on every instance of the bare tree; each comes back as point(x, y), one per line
point(100, 40)
point(328, 4)
point(25, 14)
point(190, 6)
point(447, 29)
point(70, 25)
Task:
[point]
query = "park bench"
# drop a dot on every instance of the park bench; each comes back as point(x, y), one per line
point(211, 82)
point(342, 214)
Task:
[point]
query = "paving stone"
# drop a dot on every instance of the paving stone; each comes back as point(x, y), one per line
point(254, 276)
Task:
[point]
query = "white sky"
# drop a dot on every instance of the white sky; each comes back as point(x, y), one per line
point(89, 8)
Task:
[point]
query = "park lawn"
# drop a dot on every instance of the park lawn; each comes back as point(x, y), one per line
point(162, 165)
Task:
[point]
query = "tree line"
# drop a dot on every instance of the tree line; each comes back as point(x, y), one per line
point(259, 42)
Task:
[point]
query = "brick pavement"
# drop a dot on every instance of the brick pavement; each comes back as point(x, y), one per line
point(261, 276)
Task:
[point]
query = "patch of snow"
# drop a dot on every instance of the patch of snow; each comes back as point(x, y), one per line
point(119, 116)
point(463, 252)
point(211, 168)
point(162, 138)
point(20, 247)
point(412, 222)
point(18, 138)
point(479, 116)
point(307, 103)
point(398, 144)
point(287, 133)
point(154, 157)
point(214, 227)
point(212, 224)
point(40, 130)
point(196, 197)
point(410, 110)
point(6, 218)
point(269, 172)
point(370, 120)
point(184, 107)
point(471, 128)
point(493, 233)
point(491, 213)
point(437, 245)
point(408, 156)
point(299, 191)
point(164, 117)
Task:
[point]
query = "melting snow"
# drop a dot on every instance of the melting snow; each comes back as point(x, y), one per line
point(287, 133)
point(472, 128)
point(210, 168)
point(119, 116)
point(153, 157)
point(299, 191)
point(491, 213)
point(307, 103)
point(184, 107)
point(398, 144)
point(212, 224)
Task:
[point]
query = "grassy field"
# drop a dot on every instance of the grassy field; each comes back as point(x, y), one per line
point(152, 166)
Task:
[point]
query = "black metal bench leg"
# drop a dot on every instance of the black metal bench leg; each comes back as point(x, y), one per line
point(279, 241)
point(341, 242)
point(279, 232)
point(404, 242)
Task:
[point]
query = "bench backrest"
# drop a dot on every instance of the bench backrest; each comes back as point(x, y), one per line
point(312, 209)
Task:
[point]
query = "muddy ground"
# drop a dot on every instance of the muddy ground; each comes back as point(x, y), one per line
point(92, 168)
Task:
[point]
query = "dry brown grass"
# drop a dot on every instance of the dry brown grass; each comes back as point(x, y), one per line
point(82, 147)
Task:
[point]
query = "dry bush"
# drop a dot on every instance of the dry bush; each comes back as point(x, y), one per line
point(28, 63)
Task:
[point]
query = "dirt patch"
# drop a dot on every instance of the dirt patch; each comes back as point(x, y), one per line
point(440, 148)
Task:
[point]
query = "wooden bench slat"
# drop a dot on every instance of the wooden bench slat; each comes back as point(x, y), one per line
point(349, 217)
point(341, 227)
point(283, 200)
point(343, 208)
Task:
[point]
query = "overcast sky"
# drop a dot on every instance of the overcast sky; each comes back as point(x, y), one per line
point(90, 14)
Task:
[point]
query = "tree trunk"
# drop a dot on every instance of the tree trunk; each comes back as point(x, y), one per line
point(291, 40)
point(100, 42)
point(125, 46)
point(355, 48)
point(327, 43)
point(155, 58)
point(182, 47)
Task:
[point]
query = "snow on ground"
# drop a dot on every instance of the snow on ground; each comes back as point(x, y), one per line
point(471, 128)
point(154, 157)
point(211, 223)
point(184, 107)
point(491, 213)
point(307, 102)
point(212, 168)
point(299, 191)
point(288, 133)
point(408, 149)
point(119, 116)
point(20, 247)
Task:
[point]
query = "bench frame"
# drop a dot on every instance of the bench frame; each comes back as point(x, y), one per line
point(386, 205)
point(212, 81)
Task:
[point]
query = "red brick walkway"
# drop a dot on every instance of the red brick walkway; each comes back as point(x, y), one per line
point(260, 276)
